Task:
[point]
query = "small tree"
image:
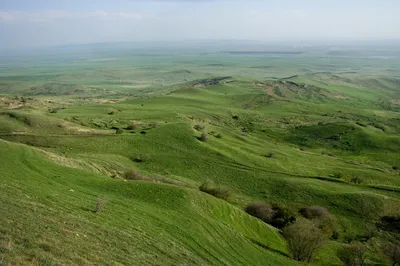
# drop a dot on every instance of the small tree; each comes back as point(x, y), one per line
point(353, 255)
point(392, 251)
point(303, 239)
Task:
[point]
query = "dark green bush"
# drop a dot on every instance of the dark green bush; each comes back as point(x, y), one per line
point(392, 251)
point(203, 137)
point(269, 155)
point(356, 180)
point(210, 188)
point(132, 127)
point(199, 127)
point(260, 210)
point(353, 254)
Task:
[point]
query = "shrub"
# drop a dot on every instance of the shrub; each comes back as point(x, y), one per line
point(353, 255)
point(356, 180)
point(389, 223)
point(260, 210)
point(139, 158)
point(236, 117)
point(282, 216)
point(203, 137)
point(136, 175)
point(199, 127)
point(119, 131)
point(210, 188)
point(269, 155)
point(395, 167)
point(275, 215)
point(315, 212)
point(337, 175)
point(392, 251)
point(133, 175)
point(100, 203)
point(132, 127)
point(153, 124)
point(218, 136)
point(303, 239)
point(321, 218)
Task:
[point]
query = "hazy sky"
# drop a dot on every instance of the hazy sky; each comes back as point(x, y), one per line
point(32, 23)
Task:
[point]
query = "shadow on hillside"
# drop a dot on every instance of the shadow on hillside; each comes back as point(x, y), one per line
point(268, 248)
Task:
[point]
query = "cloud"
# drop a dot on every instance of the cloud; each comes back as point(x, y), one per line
point(46, 16)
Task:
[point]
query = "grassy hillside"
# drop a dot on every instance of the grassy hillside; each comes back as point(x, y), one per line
point(141, 222)
point(294, 135)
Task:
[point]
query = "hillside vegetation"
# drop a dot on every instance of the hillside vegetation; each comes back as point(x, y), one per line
point(159, 165)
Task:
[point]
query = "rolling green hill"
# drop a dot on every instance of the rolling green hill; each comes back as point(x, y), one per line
point(292, 135)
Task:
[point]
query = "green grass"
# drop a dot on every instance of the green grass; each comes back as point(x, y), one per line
point(56, 164)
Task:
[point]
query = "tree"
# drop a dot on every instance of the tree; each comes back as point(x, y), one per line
point(303, 239)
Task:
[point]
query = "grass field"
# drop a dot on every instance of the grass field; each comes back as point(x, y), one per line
point(296, 129)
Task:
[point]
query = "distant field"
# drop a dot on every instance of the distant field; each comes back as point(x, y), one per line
point(297, 128)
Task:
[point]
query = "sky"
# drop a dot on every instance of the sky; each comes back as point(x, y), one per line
point(42, 23)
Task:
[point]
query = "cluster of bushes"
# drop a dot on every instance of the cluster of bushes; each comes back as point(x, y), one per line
point(305, 234)
point(204, 137)
point(275, 215)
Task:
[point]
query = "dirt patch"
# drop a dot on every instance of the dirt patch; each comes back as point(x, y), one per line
point(395, 101)
point(108, 100)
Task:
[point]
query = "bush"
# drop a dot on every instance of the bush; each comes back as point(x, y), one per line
point(321, 218)
point(203, 137)
point(136, 175)
point(100, 203)
point(392, 251)
point(139, 158)
point(199, 127)
point(133, 175)
point(282, 216)
point(119, 131)
point(218, 136)
point(303, 239)
point(353, 255)
point(356, 180)
point(389, 223)
point(210, 188)
point(337, 175)
point(274, 215)
point(315, 212)
point(269, 155)
point(153, 124)
point(260, 210)
point(132, 127)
